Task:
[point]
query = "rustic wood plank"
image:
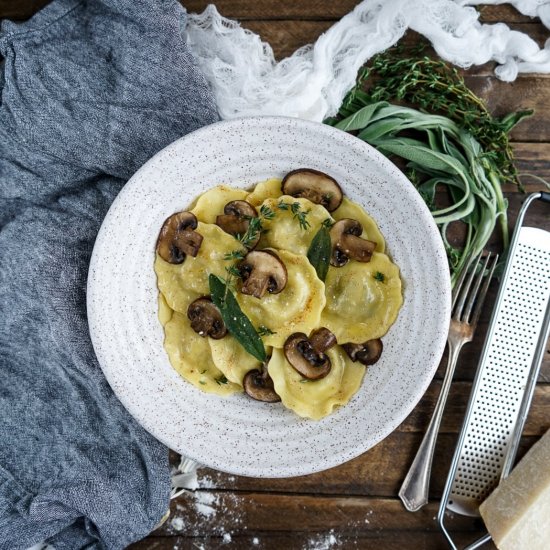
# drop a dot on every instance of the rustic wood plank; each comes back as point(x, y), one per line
point(269, 10)
point(376, 473)
point(218, 512)
point(319, 10)
point(20, 9)
point(297, 540)
point(532, 158)
point(537, 423)
point(286, 36)
point(244, 10)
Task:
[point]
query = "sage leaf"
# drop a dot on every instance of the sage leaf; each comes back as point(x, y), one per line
point(319, 251)
point(237, 323)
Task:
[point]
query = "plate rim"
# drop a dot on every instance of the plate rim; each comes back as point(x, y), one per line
point(333, 460)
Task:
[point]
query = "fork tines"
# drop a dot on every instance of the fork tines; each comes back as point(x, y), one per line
point(466, 292)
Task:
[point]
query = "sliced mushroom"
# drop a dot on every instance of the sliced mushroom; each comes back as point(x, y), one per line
point(346, 242)
point(315, 186)
point(322, 339)
point(206, 319)
point(262, 271)
point(307, 355)
point(236, 219)
point(178, 237)
point(367, 353)
point(259, 385)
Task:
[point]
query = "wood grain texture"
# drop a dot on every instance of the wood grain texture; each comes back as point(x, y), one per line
point(355, 505)
point(317, 540)
point(250, 512)
point(320, 10)
point(377, 473)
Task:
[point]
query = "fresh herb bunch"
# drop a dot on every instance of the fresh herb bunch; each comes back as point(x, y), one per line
point(459, 145)
point(441, 153)
point(436, 87)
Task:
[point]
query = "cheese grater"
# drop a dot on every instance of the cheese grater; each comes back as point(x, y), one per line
point(506, 375)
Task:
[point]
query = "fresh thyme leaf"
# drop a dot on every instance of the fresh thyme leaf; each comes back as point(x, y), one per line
point(203, 371)
point(234, 271)
point(234, 255)
point(237, 323)
point(264, 331)
point(328, 223)
point(254, 229)
point(319, 251)
point(221, 380)
point(379, 276)
point(301, 217)
point(267, 212)
point(298, 213)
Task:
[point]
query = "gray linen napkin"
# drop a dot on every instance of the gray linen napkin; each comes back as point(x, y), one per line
point(89, 91)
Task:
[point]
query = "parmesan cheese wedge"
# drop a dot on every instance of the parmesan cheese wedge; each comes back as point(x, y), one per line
point(517, 513)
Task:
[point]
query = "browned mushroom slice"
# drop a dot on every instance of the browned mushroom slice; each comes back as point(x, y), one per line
point(259, 385)
point(346, 242)
point(236, 219)
point(322, 339)
point(367, 353)
point(206, 319)
point(313, 185)
point(307, 355)
point(262, 271)
point(178, 237)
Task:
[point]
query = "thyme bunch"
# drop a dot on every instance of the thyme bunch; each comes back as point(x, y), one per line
point(434, 86)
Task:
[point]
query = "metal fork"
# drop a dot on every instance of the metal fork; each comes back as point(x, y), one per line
point(467, 302)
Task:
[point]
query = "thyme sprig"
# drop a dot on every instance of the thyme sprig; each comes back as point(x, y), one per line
point(298, 213)
point(264, 331)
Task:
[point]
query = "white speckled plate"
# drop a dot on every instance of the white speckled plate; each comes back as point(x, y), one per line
point(239, 435)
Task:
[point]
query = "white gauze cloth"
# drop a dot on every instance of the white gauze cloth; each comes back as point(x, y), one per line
point(312, 83)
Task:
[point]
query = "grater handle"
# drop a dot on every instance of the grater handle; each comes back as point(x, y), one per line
point(416, 485)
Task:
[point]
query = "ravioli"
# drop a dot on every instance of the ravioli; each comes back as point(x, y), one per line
point(232, 359)
point(211, 203)
point(316, 398)
point(350, 209)
point(190, 356)
point(359, 306)
point(192, 274)
point(165, 311)
point(357, 302)
point(267, 189)
point(283, 231)
point(296, 309)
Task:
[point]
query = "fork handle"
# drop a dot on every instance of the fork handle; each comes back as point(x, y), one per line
point(414, 491)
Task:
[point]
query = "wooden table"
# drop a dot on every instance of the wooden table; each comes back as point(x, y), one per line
point(356, 504)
